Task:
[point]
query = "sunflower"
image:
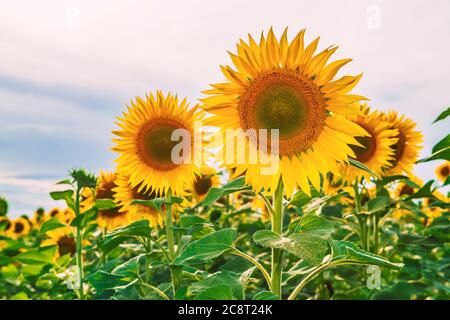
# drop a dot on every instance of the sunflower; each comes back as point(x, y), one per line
point(407, 147)
point(114, 217)
point(207, 179)
point(145, 144)
point(405, 189)
point(124, 194)
point(443, 171)
point(5, 226)
point(19, 228)
point(54, 213)
point(38, 217)
point(284, 86)
point(62, 237)
point(374, 151)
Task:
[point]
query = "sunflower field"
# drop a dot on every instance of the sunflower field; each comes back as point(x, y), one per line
point(281, 183)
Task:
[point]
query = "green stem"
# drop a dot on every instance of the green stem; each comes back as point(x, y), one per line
point(158, 291)
point(376, 233)
point(175, 271)
point(277, 227)
point(306, 280)
point(256, 263)
point(361, 219)
point(79, 247)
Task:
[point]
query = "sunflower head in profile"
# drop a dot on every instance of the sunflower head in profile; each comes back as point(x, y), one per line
point(147, 148)
point(53, 213)
point(125, 193)
point(38, 217)
point(374, 151)
point(443, 171)
point(63, 238)
point(286, 86)
point(113, 218)
point(405, 189)
point(5, 226)
point(207, 179)
point(19, 228)
point(406, 149)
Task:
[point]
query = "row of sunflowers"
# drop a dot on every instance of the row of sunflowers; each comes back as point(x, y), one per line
point(339, 216)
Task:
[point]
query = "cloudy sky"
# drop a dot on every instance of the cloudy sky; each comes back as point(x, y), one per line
point(67, 68)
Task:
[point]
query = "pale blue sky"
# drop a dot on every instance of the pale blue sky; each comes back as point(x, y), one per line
point(67, 68)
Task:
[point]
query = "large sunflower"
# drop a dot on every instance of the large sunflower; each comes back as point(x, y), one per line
point(125, 193)
point(284, 86)
point(407, 147)
point(443, 171)
point(374, 151)
point(145, 145)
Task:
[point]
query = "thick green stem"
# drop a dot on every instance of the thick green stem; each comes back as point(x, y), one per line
point(361, 219)
point(175, 271)
point(277, 227)
point(79, 248)
point(376, 231)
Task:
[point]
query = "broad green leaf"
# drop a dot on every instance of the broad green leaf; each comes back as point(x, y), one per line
point(215, 194)
point(424, 192)
point(156, 203)
point(105, 204)
point(208, 247)
point(102, 280)
point(377, 204)
point(20, 296)
point(361, 166)
point(217, 292)
point(307, 246)
point(265, 295)
point(300, 198)
point(83, 178)
point(3, 207)
point(139, 228)
point(189, 221)
point(226, 278)
point(440, 151)
point(315, 225)
point(37, 256)
point(389, 179)
point(66, 195)
point(130, 268)
point(347, 252)
point(51, 224)
point(443, 115)
point(84, 218)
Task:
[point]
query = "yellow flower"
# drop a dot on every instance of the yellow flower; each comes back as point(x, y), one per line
point(407, 146)
point(6, 226)
point(443, 171)
point(145, 145)
point(109, 218)
point(124, 194)
point(404, 189)
point(374, 151)
point(207, 179)
point(62, 237)
point(19, 228)
point(282, 85)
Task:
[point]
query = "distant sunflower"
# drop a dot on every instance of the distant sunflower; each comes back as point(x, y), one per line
point(55, 212)
point(284, 86)
point(374, 151)
point(38, 217)
point(405, 189)
point(5, 226)
point(207, 179)
point(63, 238)
point(145, 145)
point(443, 171)
point(407, 147)
point(124, 194)
point(109, 218)
point(19, 228)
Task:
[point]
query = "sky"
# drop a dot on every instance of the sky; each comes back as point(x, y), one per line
point(68, 68)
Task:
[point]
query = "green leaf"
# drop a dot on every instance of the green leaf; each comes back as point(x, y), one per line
point(65, 181)
point(102, 280)
point(130, 268)
point(20, 296)
point(189, 221)
point(66, 195)
point(316, 225)
point(105, 204)
point(440, 151)
point(265, 295)
point(137, 229)
point(227, 278)
point(51, 224)
point(208, 247)
point(156, 203)
point(38, 256)
point(300, 198)
point(389, 179)
point(443, 115)
point(218, 292)
point(84, 218)
point(347, 252)
point(377, 204)
point(215, 193)
point(310, 247)
point(424, 192)
point(399, 291)
point(361, 166)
